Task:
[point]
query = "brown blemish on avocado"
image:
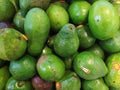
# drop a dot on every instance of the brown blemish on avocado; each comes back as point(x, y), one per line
point(70, 27)
point(19, 38)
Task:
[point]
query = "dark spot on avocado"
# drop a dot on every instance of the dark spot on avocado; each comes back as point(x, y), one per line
point(113, 81)
point(70, 27)
point(19, 38)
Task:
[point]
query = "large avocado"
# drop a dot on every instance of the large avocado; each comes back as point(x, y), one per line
point(12, 44)
point(66, 41)
point(36, 28)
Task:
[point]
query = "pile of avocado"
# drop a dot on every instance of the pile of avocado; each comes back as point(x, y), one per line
point(59, 45)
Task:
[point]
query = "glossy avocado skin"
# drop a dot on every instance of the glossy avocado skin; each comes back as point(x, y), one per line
point(36, 28)
point(50, 67)
point(103, 20)
point(89, 66)
point(67, 41)
point(13, 44)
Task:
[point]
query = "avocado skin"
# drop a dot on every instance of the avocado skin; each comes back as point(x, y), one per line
point(13, 44)
point(36, 26)
point(67, 41)
point(70, 81)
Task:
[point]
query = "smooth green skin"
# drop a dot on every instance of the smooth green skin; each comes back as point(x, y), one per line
point(23, 68)
point(36, 26)
point(96, 49)
point(96, 84)
point(78, 12)
point(66, 41)
point(70, 81)
point(50, 67)
point(4, 76)
point(102, 27)
point(62, 4)
point(13, 44)
point(58, 17)
point(93, 63)
point(85, 37)
point(19, 19)
point(13, 84)
point(28, 4)
point(111, 45)
point(112, 79)
point(7, 10)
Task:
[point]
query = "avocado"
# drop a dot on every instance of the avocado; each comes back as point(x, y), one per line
point(85, 36)
point(96, 84)
point(112, 78)
point(66, 42)
point(40, 84)
point(101, 14)
point(28, 4)
point(70, 81)
point(50, 67)
point(13, 84)
point(89, 66)
point(19, 19)
point(13, 44)
point(7, 10)
point(111, 45)
point(36, 26)
point(4, 76)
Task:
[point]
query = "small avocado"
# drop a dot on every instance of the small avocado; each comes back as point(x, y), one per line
point(7, 10)
point(70, 81)
point(13, 44)
point(13, 84)
point(66, 41)
point(50, 67)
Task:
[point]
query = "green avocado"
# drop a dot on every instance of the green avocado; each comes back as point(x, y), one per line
point(4, 76)
point(66, 41)
point(13, 44)
point(89, 66)
point(7, 10)
point(36, 26)
point(111, 45)
point(70, 81)
point(13, 84)
point(96, 84)
point(85, 37)
point(103, 20)
point(50, 67)
point(112, 78)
